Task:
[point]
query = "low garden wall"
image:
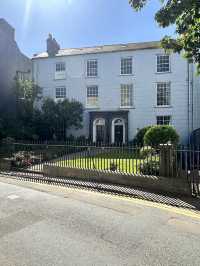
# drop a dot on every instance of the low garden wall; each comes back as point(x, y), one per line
point(175, 186)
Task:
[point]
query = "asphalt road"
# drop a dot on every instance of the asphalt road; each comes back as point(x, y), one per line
point(47, 225)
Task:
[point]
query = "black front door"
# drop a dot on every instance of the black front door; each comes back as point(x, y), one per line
point(118, 133)
point(100, 134)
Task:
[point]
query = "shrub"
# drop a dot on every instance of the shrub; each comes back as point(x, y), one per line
point(82, 139)
point(139, 138)
point(146, 151)
point(113, 166)
point(150, 167)
point(8, 140)
point(161, 135)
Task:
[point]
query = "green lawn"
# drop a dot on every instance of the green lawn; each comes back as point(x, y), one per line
point(124, 162)
point(124, 165)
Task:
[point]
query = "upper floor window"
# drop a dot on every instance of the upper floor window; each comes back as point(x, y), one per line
point(60, 71)
point(60, 92)
point(163, 94)
point(163, 63)
point(60, 67)
point(23, 75)
point(163, 120)
point(92, 68)
point(126, 95)
point(126, 66)
point(92, 96)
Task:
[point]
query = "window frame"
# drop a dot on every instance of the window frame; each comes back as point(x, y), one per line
point(58, 71)
point(88, 104)
point(131, 100)
point(60, 87)
point(163, 72)
point(124, 58)
point(164, 116)
point(97, 69)
point(170, 94)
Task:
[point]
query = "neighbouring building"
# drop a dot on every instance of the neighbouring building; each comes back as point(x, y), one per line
point(12, 62)
point(122, 87)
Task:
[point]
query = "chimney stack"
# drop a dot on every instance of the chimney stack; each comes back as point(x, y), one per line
point(52, 46)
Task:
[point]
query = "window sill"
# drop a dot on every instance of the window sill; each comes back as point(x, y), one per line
point(91, 107)
point(163, 106)
point(126, 75)
point(59, 79)
point(95, 77)
point(167, 72)
point(60, 99)
point(127, 107)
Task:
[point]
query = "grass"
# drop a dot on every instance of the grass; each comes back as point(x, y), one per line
point(125, 161)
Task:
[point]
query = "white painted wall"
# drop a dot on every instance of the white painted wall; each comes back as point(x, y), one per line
point(144, 80)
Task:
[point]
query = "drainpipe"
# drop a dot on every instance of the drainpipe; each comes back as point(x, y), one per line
point(188, 89)
point(192, 95)
point(190, 84)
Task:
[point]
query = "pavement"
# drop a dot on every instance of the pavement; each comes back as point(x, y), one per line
point(47, 225)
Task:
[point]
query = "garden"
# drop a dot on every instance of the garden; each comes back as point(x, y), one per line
point(127, 158)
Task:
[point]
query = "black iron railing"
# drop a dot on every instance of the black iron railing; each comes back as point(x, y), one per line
point(166, 160)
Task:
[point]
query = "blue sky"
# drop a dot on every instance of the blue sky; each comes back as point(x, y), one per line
point(79, 23)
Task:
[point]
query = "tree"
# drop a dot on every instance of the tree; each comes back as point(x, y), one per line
point(60, 116)
point(185, 14)
point(17, 120)
point(139, 138)
point(27, 94)
point(161, 135)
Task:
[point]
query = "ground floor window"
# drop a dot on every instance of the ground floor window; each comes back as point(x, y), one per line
point(60, 92)
point(164, 120)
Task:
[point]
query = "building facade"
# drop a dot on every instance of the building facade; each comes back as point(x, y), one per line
point(12, 62)
point(123, 88)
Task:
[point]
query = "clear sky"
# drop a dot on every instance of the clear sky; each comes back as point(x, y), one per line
point(79, 23)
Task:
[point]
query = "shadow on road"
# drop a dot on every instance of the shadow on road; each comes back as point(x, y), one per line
point(180, 202)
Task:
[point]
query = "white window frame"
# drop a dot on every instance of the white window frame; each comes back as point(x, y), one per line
point(126, 86)
point(62, 95)
point(92, 103)
point(61, 73)
point(169, 85)
point(89, 71)
point(126, 58)
point(61, 70)
point(163, 117)
point(163, 72)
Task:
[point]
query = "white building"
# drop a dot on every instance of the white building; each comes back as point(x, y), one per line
point(123, 88)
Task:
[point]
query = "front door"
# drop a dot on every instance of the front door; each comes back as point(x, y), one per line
point(119, 133)
point(100, 133)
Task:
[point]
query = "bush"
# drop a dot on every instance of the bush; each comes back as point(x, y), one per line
point(139, 138)
point(146, 151)
point(161, 135)
point(8, 140)
point(150, 167)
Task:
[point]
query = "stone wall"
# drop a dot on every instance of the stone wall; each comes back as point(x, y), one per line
point(175, 186)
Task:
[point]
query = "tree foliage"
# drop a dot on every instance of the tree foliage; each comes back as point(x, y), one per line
point(139, 138)
point(185, 15)
point(161, 135)
point(58, 117)
point(30, 117)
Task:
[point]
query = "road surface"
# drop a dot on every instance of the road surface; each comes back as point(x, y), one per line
point(48, 225)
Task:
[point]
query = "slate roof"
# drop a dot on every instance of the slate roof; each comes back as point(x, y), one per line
point(103, 49)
